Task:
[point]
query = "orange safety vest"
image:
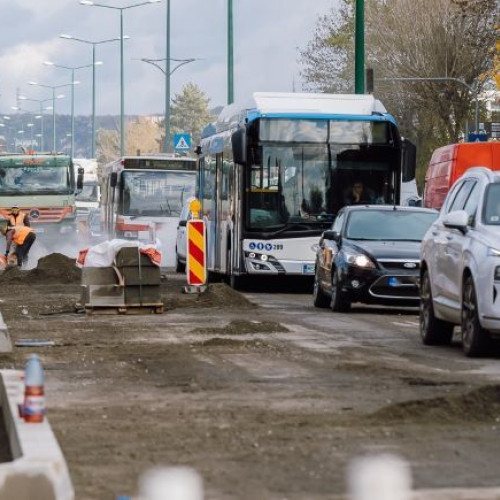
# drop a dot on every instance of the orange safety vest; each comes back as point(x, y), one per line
point(20, 234)
point(16, 220)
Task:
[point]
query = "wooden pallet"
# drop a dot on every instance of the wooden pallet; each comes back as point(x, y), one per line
point(125, 309)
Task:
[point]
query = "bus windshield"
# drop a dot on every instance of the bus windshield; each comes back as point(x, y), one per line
point(155, 193)
point(38, 179)
point(305, 185)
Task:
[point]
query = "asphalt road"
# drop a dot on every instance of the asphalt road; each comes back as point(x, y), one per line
point(266, 402)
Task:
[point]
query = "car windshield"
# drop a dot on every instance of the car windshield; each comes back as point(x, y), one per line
point(491, 213)
point(395, 225)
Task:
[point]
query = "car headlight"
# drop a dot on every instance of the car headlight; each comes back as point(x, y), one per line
point(493, 252)
point(359, 260)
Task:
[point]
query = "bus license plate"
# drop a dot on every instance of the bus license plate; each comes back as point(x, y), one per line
point(307, 268)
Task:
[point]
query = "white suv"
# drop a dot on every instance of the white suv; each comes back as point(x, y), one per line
point(460, 265)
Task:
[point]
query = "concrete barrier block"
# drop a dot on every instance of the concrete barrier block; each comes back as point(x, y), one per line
point(5, 342)
point(38, 469)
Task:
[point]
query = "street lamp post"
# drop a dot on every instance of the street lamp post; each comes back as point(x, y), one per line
point(73, 83)
point(166, 142)
point(230, 61)
point(473, 91)
point(122, 83)
point(54, 88)
point(40, 103)
point(167, 71)
point(94, 63)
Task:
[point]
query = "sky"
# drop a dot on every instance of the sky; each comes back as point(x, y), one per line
point(267, 38)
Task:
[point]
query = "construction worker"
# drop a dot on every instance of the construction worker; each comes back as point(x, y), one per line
point(17, 218)
point(23, 237)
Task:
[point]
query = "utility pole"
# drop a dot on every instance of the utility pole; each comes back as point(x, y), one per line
point(359, 48)
point(166, 142)
point(230, 62)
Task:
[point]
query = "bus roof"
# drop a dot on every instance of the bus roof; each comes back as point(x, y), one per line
point(302, 105)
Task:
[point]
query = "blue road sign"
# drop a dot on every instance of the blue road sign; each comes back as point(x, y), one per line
point(182, 142)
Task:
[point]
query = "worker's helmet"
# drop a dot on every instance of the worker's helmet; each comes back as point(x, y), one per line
point(14, 209)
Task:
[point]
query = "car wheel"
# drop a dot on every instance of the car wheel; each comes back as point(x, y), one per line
point(320, 299)
point(475, 339)
point(179, 266)
point(338, 302)
point(433, 331)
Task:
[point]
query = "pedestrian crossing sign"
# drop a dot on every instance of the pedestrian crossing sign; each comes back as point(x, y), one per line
point(182, 142)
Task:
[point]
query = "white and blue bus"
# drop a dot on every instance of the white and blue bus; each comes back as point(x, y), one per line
point(275, 171)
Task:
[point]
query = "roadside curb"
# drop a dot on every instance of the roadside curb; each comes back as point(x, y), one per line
point(458, 494)
point(5, 342)
point(448, 494)
point(38, 469)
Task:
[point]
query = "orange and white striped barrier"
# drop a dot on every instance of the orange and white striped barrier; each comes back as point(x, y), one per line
point(196, 261)
point(196, 251)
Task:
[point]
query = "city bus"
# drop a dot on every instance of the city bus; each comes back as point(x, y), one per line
point(275, 171)
point(43, 186)
point(142, 198)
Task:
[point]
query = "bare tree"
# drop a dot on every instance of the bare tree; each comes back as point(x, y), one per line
point(411, 38)
point(433, 38)
point(143, 136)
point(108, 146)
point(328, 60)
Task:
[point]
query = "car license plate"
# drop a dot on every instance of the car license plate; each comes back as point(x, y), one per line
point(307, 268)
point(396, 281)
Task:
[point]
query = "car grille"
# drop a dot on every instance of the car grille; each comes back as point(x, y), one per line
point(401, 264)
point(402, 287)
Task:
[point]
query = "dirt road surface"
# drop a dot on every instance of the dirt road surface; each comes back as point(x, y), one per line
point(267, 397)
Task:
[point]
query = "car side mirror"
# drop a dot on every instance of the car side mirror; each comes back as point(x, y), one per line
point(182, 223)
point(331, 235)
point(458, 219)
point(79, 179)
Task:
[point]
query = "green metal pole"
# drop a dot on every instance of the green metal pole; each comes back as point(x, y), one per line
point(54, 120)
point(166, 142)
point(72, 112)
point(122, 91)
point(230, 62)
point(93, 102)
point(359, 48)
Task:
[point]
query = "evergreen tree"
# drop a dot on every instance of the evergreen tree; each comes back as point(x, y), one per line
point(189, 112)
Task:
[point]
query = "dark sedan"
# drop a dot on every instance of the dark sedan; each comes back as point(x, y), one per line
point(371, 254)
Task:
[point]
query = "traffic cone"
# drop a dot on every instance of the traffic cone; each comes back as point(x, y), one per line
point(34, 399)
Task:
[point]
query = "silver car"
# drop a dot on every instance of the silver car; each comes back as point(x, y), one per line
point(460, 265)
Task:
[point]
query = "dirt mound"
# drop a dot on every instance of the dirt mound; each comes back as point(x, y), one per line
point(243, 327)
point(51, 269)
point(479, 405)
point(217, 295)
